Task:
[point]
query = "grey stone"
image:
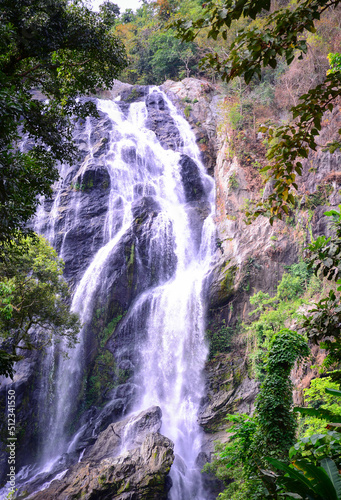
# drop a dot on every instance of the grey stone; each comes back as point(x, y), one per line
point(108, 471)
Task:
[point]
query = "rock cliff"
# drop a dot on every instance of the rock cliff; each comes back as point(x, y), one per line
point(247, 259)
point(252, 257)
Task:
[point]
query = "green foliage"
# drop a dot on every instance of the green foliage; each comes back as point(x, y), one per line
point(34, 300)
point(109, 330)
point(335, 62)
point(64, 50)
point(275, 311)
point(253, 47)
point(219, 339)
point(101, 378)
point(269, 432)
point(323, 320)
point(165, 57)
point(321, 324)
point(314, 473)
point(316, 447)
point(289, 287)
point(309, 481)
point(238, 461)
point(7, 361)
point(109, 13)
point(235, 117)
point(314, 450)
point(317, 397)
point(302, 271)
point(328, 412)
point(320, 197)
point(290, 143)
point(325, 253)
point(156, 54)
point(260, 300)
point(273, 405)
point(233, 181)
point(187, 111)
point(103, 374)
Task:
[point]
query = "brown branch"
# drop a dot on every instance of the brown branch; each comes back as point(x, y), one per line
point(22, 75)
point(52, 67)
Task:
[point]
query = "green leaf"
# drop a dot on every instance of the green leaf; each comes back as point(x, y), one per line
point(319, 413)
point(333, 474)
point(333, 392)
point(319, 479)
point(316, 437)
point(291, 472)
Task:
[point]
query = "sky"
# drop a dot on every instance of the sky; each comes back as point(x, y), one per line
point(123, 4)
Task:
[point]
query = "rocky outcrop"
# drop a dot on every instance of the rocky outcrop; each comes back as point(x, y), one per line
point(251, 257)
point(248, 257)
point(199, 100)
point(129, 460)
point(75, 220)
point(229, 389)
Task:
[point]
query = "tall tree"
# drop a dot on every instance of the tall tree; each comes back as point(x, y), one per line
point(109, 12)
point(51, 51)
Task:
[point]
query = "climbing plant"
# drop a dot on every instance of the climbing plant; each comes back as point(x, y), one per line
point(271, 431)
point(276, 422)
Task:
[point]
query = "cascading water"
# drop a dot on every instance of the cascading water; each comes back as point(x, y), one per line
point(161, 199)
point(174, 352)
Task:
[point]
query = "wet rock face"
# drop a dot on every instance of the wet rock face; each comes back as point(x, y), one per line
point(228, 390)
point(83, 198)
point(199, 101)
point(27, 405)
point(193, 187)
point(129, 460)
point(134, 93)
point(161, 123)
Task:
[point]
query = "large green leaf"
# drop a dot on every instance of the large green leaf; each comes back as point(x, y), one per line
point(319, 413)
point(297, 476)
point(333, 473)
point(314, 480)
point(320, 481)
point(295, 489)
point(334, 392)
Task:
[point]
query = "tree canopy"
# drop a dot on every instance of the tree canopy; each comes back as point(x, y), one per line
point(51, 51)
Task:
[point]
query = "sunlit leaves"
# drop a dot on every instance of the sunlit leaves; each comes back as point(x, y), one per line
point(33, 298)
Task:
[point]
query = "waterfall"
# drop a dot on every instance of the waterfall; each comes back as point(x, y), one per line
point(159, 200)
point(174, 352)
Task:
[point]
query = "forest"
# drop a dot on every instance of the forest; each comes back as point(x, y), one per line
point(277, 66)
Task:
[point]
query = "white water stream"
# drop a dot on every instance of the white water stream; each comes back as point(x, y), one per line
point(173, 350)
